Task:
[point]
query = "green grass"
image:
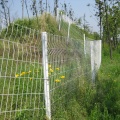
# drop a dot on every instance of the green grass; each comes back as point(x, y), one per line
point(15, 89)
point(16, 58)
point(87, 102)
point(102, 101)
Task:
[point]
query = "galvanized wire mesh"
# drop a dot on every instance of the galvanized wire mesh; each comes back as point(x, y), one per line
point(22, 89)
point(2, 23)
point(67, 68)
point(21, 74)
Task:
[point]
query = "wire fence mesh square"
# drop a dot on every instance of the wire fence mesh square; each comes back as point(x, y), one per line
point(67, 66)
point(22, 90)
point(21, 74)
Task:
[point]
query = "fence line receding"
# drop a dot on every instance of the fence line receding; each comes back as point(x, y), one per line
point(23, 92)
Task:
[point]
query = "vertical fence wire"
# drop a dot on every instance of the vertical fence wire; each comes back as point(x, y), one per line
point(21, 74)
point(22, 90)
point(67, 68)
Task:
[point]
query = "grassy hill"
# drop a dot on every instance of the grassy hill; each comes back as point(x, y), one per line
point(98, 102)
point(47, 23)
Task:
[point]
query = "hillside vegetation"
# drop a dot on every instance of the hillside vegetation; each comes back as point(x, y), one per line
point(47, 23)
point(100, 101)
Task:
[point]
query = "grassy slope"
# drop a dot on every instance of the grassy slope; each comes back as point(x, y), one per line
point(109, 84)
point(93, 103)
point(102, 101)
point(10, 53)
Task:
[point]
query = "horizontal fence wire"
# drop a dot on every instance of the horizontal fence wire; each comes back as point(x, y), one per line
point(21, 74)
point(75, 32)
point(67, 68)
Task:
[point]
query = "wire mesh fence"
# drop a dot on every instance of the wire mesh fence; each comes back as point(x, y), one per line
point(67, 68)
point(28, 77)
point(2, 23)
point(21, 74)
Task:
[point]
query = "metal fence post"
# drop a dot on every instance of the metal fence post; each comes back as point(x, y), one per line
point(46, 80)
point(68, 31)
point(92, 61)
point(84, 45)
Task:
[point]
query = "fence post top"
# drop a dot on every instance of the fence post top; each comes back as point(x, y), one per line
point(44, 32)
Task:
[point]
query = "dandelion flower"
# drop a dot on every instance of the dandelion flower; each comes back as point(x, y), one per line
point(51, 70)
point(23, 73)
point(57, 80)
point(49, 66)
point(58, 69)
point(62, 77)
point(17, 75)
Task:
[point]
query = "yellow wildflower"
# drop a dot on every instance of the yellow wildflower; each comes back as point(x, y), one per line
point(57, 80)
point(62, 77)
point(17, 75)
point(51, 70)
point(49, 66)
point(58, 69)
point(30, 78)
point(23, 73)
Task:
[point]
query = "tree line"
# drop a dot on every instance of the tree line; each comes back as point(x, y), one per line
point(37, 7)
point(108, 13)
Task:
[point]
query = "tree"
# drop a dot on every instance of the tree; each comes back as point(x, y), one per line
point(96, 36)
point(6, 11)
point(41, 7)
point(99, 14)
point(108, 13)
point(79, 21)
point(27, 9)
point(46, 5)
point(65, 8)
point(22, 9)
point(115, 20)
point(55, 7)
point(71, 13)
point(34, 10)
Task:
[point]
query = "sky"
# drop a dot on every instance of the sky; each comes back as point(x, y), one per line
point(79, 6)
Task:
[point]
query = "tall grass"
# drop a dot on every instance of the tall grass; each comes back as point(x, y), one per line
point(102, 101)
point(87, 102)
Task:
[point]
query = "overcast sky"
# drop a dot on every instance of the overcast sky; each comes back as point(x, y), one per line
point(79, 6)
